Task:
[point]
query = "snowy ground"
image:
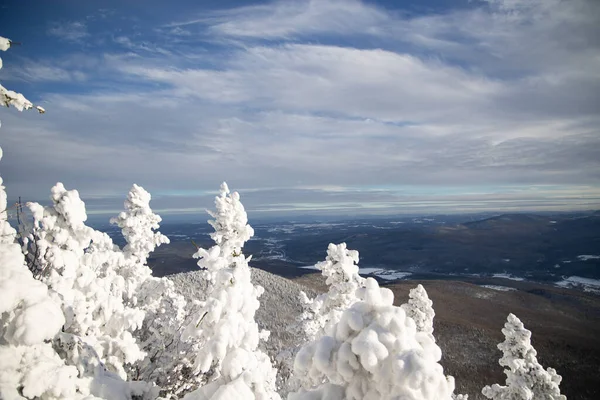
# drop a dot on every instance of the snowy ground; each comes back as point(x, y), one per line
point(588, 285)
point(500, 288)
point(386, 274)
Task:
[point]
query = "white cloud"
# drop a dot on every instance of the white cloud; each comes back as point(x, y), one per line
point(490, 95)
point(41, 72)
point(69, 31)
point(352, 82)
point(293, 18)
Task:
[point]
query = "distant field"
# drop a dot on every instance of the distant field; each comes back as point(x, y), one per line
point(562, 249)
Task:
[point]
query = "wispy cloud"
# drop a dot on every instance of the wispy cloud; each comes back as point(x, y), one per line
point(69, 31)
point(321, 104)
point(298, 18)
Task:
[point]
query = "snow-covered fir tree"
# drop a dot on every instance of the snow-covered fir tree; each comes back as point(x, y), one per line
point(81, 265)
point(340, 269)
point(227, 355)
point(372, 352)
point(420, 308)
point(526, 379)
point(138, 224)
point(165, 310)
point(29, 320)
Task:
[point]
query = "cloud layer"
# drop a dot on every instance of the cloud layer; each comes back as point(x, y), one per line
point(495, 105)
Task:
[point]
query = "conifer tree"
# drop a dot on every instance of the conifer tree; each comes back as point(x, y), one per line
point(227, 334)
point(526, 379)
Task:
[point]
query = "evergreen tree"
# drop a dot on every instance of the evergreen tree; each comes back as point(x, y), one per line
point(526, 379)
point(228, 337)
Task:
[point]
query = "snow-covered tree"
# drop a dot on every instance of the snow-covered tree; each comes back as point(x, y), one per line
point(31, 324)
point(526, 379)
point(138, 224)
point(165, 310)
point(372, 352)
point(341, 272)
point(227, 355)
point(29, 318)
point(81, 266)
point(420, 308)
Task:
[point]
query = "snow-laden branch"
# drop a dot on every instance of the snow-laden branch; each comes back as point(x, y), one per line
point(11, 98)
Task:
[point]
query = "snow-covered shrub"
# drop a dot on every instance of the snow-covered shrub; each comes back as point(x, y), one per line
point(526, 379)
point(341, 272)
point(373, 352)
point(227, 336)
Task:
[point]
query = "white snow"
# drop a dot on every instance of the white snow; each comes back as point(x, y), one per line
point(587, 284)
point(499, 288)
point(4, 43)
point(386, 274)
point(587, 257)
point(508, 276)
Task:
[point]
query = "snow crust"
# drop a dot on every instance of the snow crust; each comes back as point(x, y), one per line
point(28, 319)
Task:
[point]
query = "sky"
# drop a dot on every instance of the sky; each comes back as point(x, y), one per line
point(305, 107)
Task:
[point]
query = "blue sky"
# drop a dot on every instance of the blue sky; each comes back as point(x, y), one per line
point(323, 106)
